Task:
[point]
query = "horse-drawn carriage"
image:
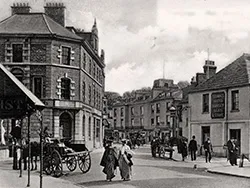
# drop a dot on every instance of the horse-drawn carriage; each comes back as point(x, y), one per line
point(56, 153)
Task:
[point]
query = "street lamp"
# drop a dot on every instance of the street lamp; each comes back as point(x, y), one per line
point(172, 110)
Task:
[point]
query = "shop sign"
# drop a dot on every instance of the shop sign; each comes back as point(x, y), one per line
point(218, 105)
point(10, 107)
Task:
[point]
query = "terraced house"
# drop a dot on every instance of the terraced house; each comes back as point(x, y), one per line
point(61, 66)
point(148, 113)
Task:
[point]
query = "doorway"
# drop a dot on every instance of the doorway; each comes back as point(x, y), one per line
point(205, 133)
point(65, 125)
point(236, 134)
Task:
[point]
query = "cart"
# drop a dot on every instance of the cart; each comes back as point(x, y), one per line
point(165, 151)
point(73, 155)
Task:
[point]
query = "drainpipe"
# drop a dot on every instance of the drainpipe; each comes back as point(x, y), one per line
point(226, 121)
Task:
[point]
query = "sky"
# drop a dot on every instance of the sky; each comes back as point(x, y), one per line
point(146, 40)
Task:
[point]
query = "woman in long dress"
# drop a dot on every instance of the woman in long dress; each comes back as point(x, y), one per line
point(125, 162)
point(109, 161)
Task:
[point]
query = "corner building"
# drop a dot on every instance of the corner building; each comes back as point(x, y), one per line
point(219, 107)
point(61, 66)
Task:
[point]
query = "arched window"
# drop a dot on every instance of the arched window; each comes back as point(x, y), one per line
point(65, 125)
point(65, 88)
point(18, 73)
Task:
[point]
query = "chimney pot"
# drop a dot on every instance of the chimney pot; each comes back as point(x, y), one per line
point(20, 8)
point(56, 11)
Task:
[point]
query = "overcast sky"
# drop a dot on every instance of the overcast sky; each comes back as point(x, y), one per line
point(140, 36)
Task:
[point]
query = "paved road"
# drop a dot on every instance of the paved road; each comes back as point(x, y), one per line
point(157, 173)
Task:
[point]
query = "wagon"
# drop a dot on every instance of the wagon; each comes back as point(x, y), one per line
point(73, 155)
point(165, 151)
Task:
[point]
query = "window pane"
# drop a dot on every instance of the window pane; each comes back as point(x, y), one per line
point(38, 87)
point(235, 100)
point(65, 55)
point(17, 52)
point(65, 88)
point(205, 103)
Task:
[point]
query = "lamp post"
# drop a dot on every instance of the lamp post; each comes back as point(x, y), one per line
point(173, 115)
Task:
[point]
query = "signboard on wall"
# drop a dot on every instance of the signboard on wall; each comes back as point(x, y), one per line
point(15, 99)
point(218, 105)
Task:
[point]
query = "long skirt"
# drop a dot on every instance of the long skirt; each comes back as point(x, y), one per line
point(109, 170)
point(125, 169)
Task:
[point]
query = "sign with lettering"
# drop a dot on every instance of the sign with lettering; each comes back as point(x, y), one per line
point(218, 105)
point(15, 99)
point(11, 107)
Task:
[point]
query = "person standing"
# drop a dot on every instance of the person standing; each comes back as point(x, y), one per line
point(193, 148)
point(154, 146)
point(183, 149)
point(208, 150)
point(232, 151)
point(109, 160)
point(125, 165)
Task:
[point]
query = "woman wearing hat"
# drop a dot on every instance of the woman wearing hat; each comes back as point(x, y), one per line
point(125, 161)
point(109, 160)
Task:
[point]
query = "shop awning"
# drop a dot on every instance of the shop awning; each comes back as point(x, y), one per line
point(15, 99)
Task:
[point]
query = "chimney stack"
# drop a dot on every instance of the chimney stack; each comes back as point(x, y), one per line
point(209, 68)
point(20, 8)
point(56, 11)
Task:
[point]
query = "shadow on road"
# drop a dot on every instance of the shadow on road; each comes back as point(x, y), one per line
point(100, 182)
point(177, 169)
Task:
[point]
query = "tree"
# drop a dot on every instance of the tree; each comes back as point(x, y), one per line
point(112, 97)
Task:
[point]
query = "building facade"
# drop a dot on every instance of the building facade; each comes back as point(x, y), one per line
point(219, 108)
point(61, 66)
point(148, 113)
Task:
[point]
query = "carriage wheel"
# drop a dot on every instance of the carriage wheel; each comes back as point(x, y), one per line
point(71, 162)
point(47, 167)
point(56, 164)
point(84, 162)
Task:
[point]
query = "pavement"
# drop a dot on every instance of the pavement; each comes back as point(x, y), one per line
point(10, 178)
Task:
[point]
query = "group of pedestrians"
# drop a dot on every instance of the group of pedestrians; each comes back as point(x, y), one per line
point(114, 157)
point(208, 148)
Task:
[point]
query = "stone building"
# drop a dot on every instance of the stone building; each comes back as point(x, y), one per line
point(148, 112)
point(61, 66)
point(219, 107)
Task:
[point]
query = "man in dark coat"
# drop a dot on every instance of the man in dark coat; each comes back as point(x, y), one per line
point(232, 151)
point(208, 150)
point(154, 146)
point(193, 148)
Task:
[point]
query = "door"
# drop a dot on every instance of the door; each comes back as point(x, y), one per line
point(236, 134)
point(205, 133)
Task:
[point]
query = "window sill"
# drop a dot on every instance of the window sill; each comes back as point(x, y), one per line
point(232, 111)
point(205, 113)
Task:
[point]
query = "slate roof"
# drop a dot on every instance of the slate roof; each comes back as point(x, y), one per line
point(34, 23)
point(235, 74)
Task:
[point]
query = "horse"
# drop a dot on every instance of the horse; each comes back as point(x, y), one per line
point(34, 153)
